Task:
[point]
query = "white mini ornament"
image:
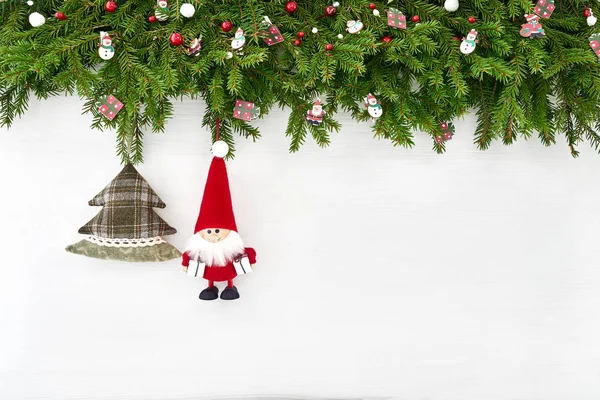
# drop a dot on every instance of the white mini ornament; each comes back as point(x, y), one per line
point(220, 149)
point(451, 5)
point(373, 106)
point(36, 19)
point(591, 20)
point(187, 10)
point(354, 26)
point(106, 50)
point(469, 43)
point(314, 30)
point(162, 10)
point(239, 40)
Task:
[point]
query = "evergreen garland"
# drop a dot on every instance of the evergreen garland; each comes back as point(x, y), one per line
point(518, 87)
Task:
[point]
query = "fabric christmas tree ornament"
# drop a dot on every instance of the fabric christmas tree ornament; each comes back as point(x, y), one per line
point(127, 228)
point(216, 251)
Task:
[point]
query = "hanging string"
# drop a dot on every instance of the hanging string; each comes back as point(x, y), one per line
point(218, 134)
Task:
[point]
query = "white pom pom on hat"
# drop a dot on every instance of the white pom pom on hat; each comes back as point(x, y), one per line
point(220, 149)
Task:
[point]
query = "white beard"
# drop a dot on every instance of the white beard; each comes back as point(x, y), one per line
point(215, 254)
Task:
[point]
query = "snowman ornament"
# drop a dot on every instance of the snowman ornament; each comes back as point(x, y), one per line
point(106, 50)
point(239, 40)
point(162, 10)
point(469, 43)
point(354, 26)
point(373, 106)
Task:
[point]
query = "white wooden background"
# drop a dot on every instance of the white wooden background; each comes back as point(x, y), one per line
point(382, 272)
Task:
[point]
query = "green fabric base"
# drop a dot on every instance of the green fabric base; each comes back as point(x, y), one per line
point(159, 252)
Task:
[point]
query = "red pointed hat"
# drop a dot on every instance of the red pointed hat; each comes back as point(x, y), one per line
point(216, 210)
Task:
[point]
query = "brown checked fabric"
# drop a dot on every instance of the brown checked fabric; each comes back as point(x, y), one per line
point(127, 209)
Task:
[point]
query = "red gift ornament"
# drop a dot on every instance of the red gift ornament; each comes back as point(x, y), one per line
point(110, 107)
point(245, 110)
point(396, 19)
point(595, 43)
point(273, 34)
point(544, 8)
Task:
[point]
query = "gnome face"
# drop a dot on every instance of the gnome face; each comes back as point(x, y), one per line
point(472, 35)
point(214, 235)
point(106, 41)
point(163, 4)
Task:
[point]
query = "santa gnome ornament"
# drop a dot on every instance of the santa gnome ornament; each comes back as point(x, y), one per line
point(216, 250)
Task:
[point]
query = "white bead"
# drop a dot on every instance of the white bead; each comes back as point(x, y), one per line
point(187, 10)
point(451, 5)
point(336, 4)
point(314, 30)
point(36, 19)
point(220, 149)
point(591, 20)
point(340, 36)
point(29, 3)
point(229, 55)
point(376, 12)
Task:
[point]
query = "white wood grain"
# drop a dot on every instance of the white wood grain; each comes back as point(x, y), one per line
point(381, 271)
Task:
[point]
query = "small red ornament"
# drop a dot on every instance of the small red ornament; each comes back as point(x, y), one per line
point(472, 20)
point(291, 7)
point(297, 42)
point(386, 39)
point(372, 6)
point(60, 16)
point(226, 26)
point(415, 19)
point(176, 39)
point(330, 11)
point(587, 12)
point(301, 35)
point(328, 47)
point(152, 19)
point(110, 6)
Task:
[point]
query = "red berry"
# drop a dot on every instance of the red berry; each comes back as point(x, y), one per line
point(60, 16)
point(472, 20)
point(291, 7)
point(386, 39)
point(176, 39)
point(297, 42)
point(110, 6)
point(301, 35)
point(415, 19)
point(456, 38)
point(330, 11)
point(329, 47)
point(587, 12)
point(372, 6)
point(152, 19)
point(226, 26)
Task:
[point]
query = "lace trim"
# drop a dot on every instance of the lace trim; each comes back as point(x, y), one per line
point(112, 242)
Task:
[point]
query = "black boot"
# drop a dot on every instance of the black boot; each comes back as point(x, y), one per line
point(230, 293)
point(210, 293)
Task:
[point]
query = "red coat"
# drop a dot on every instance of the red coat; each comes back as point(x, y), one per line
point(225, 273)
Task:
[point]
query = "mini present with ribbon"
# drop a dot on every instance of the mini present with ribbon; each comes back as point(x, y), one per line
point(110, 107)
point(595, 43)
point(245, 110)
point(448, 130)
point(544, 8)
point(396, 19)
point(271, 32)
